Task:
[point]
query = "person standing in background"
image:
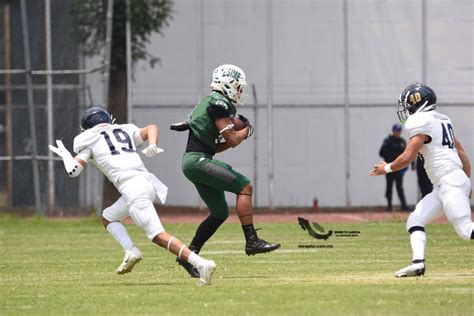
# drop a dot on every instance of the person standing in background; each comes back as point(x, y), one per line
point(391, 148)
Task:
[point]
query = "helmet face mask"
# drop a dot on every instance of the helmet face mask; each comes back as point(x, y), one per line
point(402, 112)
point(230, 80)
point(415, 98)
point(95, 116)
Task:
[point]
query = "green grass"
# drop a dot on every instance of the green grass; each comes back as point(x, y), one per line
point(67, 267)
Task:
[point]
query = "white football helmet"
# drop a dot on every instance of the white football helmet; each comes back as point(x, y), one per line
point(230, 80)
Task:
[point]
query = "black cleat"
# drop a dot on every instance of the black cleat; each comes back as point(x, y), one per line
point(193, 272)
point(259, 246)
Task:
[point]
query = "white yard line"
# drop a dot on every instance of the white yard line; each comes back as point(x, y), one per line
point(225, 252)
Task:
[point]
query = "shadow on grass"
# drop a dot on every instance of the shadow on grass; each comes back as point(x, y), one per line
point(449, 276)
point(247, 277)
point(134, 284)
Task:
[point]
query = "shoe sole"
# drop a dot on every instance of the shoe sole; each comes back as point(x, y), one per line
point(409, 276)
point(128, 268)
point(418, 274)
point(263, 251)
point(203, 282)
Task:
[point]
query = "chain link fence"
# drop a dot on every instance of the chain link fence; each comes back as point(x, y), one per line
point(309, 151)
point(42, 94)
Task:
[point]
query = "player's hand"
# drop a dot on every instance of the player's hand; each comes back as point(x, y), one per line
point(61, 151)
point(152, 150)
point(378, 169)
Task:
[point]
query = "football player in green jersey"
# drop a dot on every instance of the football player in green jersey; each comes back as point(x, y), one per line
point(211, 131)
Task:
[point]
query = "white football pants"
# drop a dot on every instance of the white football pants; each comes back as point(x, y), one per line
point(451, 196)
point(136, 201)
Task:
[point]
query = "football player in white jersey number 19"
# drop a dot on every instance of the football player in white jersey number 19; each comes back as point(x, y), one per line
point(432, 137)
point(112, 149)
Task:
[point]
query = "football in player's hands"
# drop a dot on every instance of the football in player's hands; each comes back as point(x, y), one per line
point(238, 124)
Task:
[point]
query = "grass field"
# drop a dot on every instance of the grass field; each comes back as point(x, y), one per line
point(67, 267)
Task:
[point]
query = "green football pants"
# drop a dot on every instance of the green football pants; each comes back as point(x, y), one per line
point(212, 178)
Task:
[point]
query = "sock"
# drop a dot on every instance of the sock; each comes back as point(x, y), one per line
point(205, 231)
point(249, 232)
point(472, 234)
point(195, 259)
point(118, 231)
point(418, 244)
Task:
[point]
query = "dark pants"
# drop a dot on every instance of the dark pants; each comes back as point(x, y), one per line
point(396, 176)
point(423, 181)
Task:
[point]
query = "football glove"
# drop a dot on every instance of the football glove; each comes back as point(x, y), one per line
point(72, 166)
point(247, 123)
point(250, 133)
point(179, 127)
point(152, 150)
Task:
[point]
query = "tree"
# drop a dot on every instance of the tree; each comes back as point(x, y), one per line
point(146, 17)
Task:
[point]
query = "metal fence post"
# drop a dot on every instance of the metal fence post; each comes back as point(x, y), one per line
point(255, 147)
point(269, 50)
point(108, 50)
point(128, 39)
point(31, 109)
point(49, 103)
point(347, 105)
point(8, 101)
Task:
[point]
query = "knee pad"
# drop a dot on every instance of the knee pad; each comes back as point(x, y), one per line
point(219, 220)
point(140, 210)
point(144, 215)
point(464, 227)
point(415, 222)
point(219, 209)
point(116, 211)
point(220, 214)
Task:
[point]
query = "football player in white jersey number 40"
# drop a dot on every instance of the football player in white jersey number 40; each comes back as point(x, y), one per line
point(431, 136)
point(112, 149)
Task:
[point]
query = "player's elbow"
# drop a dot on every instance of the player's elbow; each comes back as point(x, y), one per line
point(75, 172)
point(74, 168)
point(233, 144)
point(74, 175)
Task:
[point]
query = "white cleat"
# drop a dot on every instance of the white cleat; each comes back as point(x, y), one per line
point(414, 269)
point(132, 257)
point(205, 272)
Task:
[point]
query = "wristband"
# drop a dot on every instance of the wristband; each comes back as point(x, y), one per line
point(388, 168)
point(228, 127)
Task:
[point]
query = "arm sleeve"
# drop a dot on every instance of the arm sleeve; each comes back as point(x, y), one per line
point(217, 112)
point(80, 142)
point(84, 154)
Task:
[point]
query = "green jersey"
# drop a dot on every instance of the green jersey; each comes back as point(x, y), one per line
point(201, 122)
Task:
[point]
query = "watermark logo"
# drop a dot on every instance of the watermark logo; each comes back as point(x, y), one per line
point(317, 231)
point(304, 223)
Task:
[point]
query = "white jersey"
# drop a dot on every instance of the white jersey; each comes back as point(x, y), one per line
point(112, 149)
point(439, 154)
